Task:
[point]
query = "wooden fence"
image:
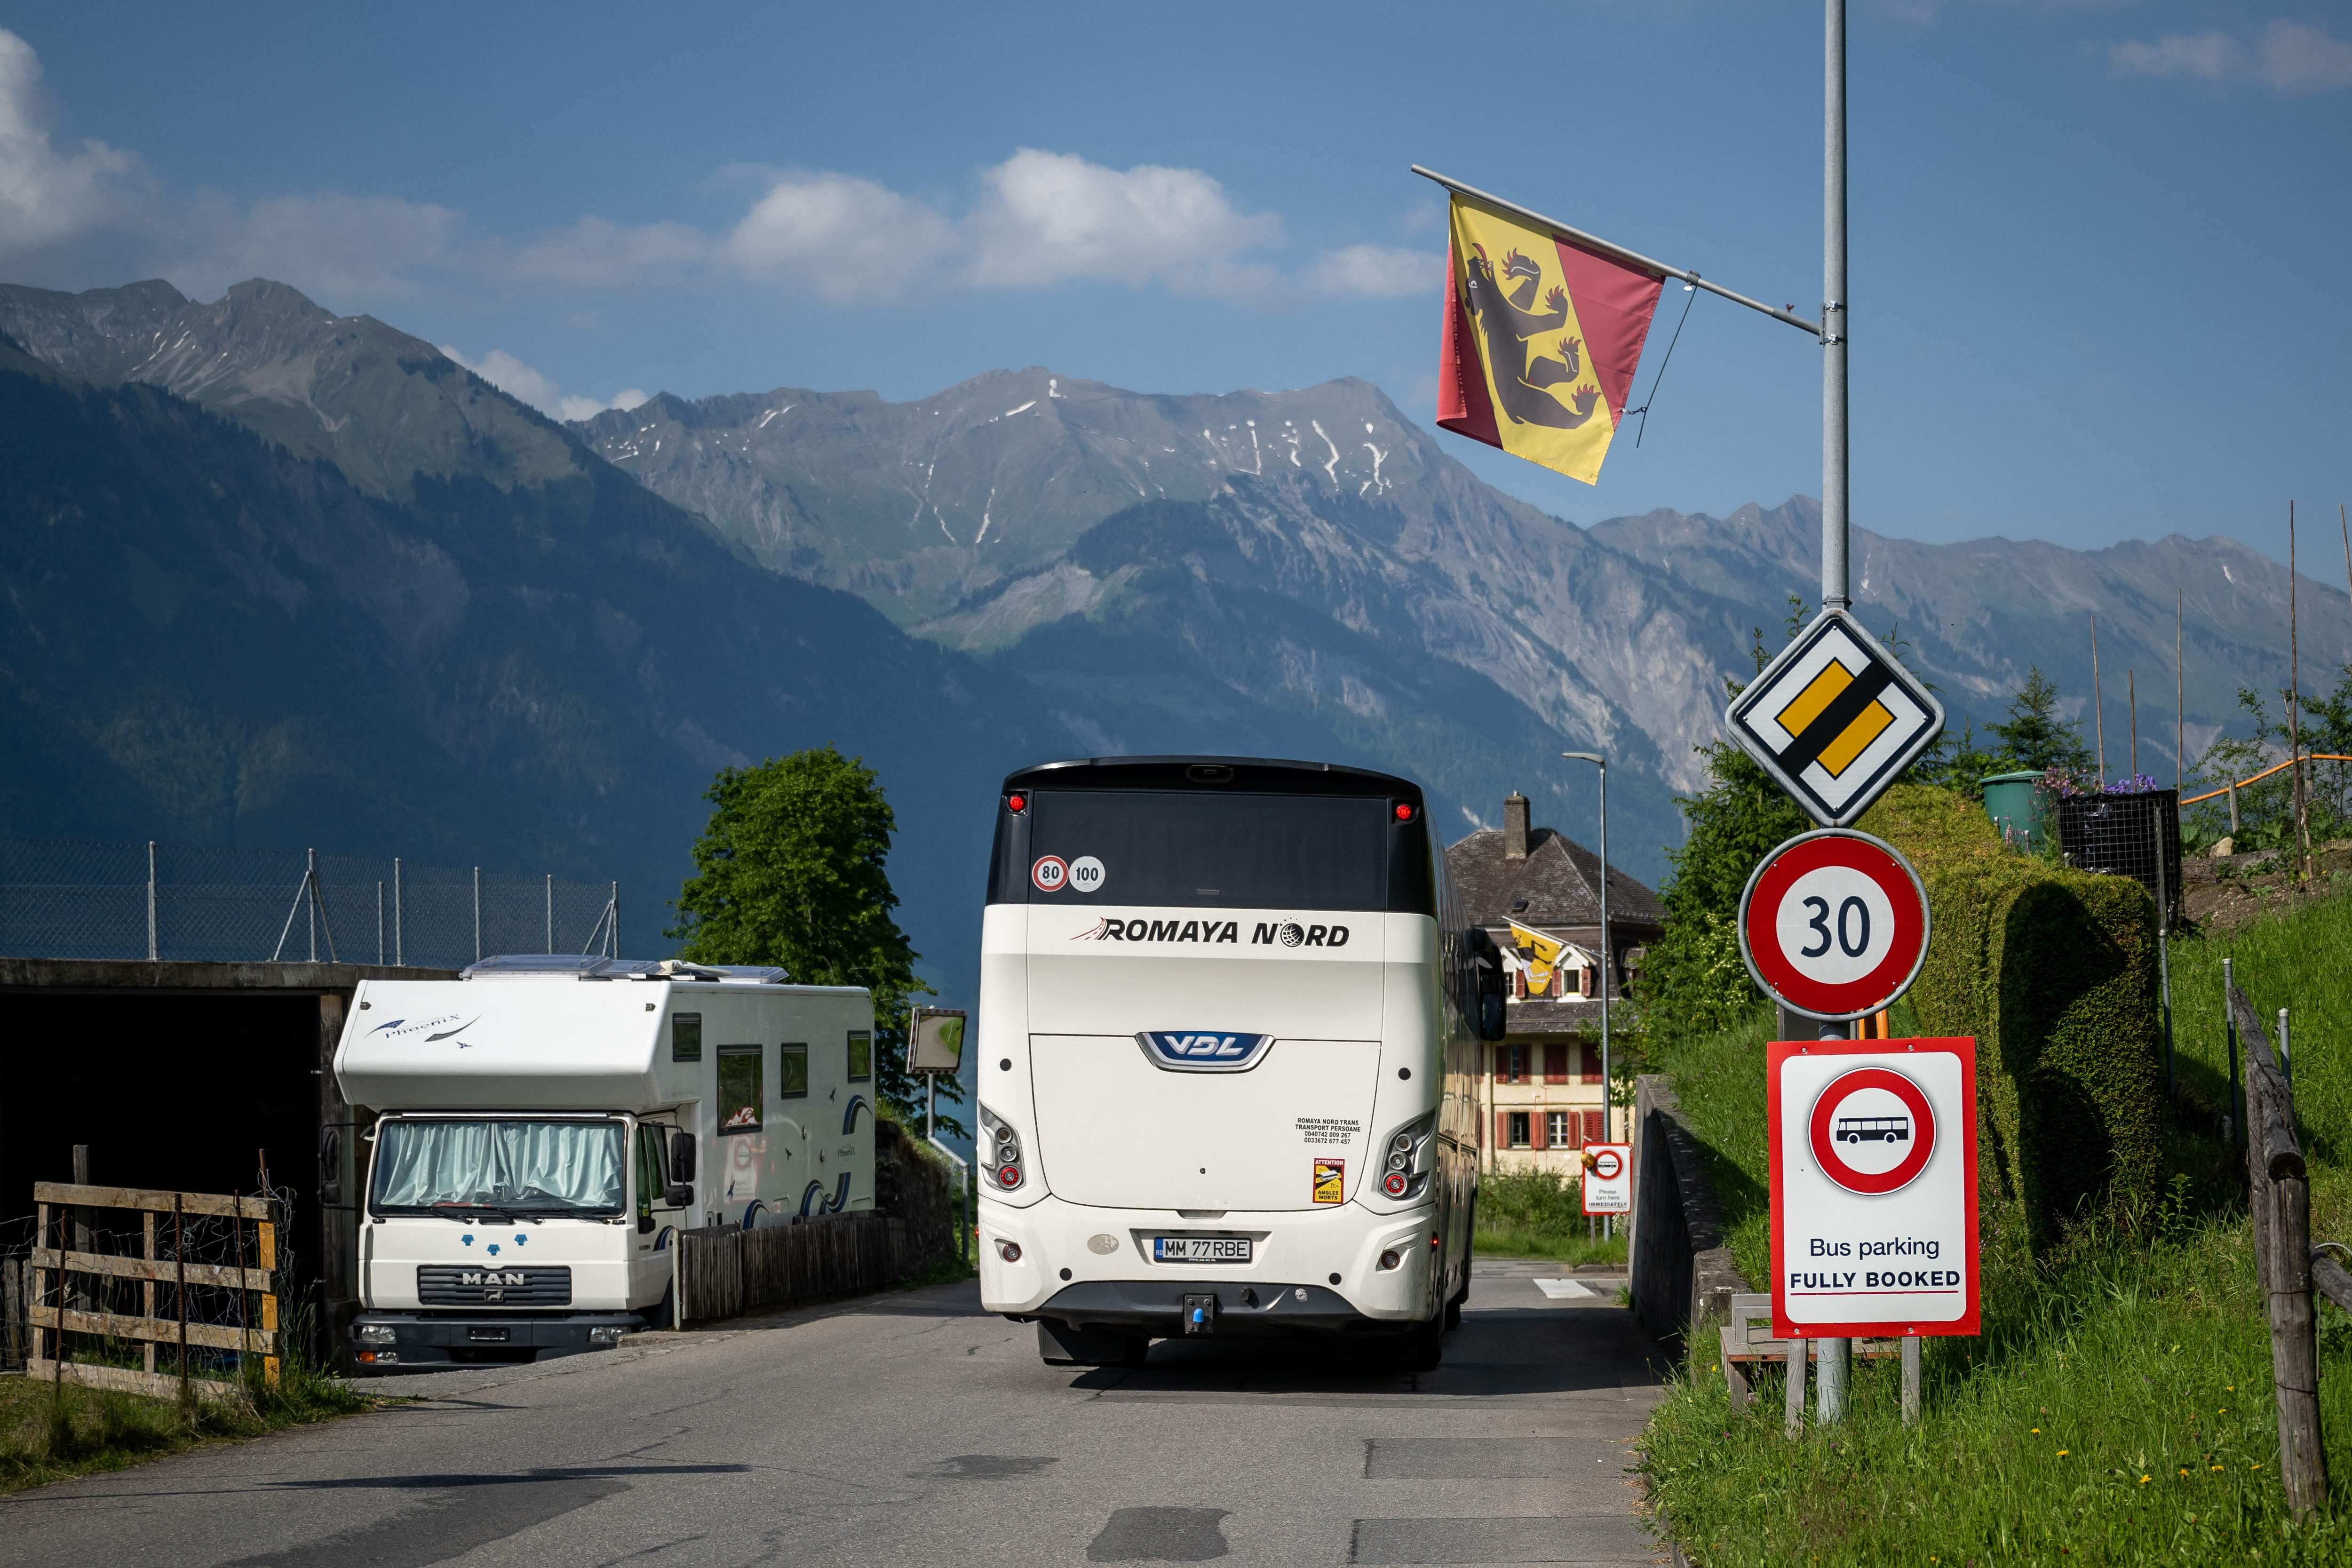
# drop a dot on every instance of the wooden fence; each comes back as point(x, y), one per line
point(59, 1306)
point(2279, 1194)
point(723, 1271)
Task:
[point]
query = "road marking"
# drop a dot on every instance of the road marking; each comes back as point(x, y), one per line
point(1563, 1290)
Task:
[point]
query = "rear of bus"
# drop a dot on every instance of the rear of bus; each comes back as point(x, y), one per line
point(1215, 1034)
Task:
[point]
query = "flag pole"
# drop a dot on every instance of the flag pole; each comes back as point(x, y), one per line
point(1834, 573)
point(1617, 252)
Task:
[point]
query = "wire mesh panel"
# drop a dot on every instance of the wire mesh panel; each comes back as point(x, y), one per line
point(68, 899)
point(2134, 836)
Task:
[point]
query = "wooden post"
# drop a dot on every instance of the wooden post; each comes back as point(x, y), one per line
point(266, 1259)
point(180, 1264)
point(2295, 1349)
point(43, 1340)
point(147, 1286)
point(80, 1240)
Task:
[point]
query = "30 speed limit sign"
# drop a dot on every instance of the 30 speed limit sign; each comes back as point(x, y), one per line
point(1833, 924)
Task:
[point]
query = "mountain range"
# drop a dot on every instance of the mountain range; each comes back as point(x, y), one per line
point(276, 575)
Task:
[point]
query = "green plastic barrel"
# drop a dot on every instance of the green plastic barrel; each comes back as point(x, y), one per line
point(2017, 810)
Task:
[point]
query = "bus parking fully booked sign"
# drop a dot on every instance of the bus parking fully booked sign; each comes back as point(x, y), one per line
point(1874, 1175)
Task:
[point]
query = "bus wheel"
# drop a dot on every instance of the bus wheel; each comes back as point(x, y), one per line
point(1060, 1344)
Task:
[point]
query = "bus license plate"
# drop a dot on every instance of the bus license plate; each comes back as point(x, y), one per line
point(1200, 1248)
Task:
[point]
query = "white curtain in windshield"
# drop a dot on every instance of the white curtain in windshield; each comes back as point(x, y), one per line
point(505, 1164)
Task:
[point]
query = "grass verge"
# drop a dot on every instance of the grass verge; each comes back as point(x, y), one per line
point(2116, 1408)
point(1539, 1214)
point(50, 1432)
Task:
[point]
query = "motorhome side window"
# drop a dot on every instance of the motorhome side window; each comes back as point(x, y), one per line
point(861, 1055)
point(792, 1077)
point(686, 1036)
point(739, 1088)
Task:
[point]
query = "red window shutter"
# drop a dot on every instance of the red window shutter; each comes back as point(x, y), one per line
point(1593, 1127)
point(1535, 1129)
point(1519, 984)
point(1555, 1064)
point(1584, 982)
point(1588, 1063)
point(1502, 1129)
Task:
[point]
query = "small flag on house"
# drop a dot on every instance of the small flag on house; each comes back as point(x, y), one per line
point(1542, 336)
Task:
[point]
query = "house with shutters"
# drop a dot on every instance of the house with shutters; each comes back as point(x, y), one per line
point(1537, 893)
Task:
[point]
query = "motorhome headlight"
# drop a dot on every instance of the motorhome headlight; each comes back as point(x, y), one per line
point(1413, 1155)
point(1004, 1160)
point(374, 1334)
point(603, 1334)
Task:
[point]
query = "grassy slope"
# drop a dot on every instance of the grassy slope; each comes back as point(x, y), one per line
point(47, 1434)
point(1535, 1214)
point(2141, 1355)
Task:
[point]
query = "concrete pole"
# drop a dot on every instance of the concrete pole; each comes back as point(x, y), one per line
point(1834, 574)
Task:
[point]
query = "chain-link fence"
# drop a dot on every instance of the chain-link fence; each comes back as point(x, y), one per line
point(68, 900)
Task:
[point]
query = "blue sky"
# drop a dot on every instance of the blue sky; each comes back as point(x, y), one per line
point(2096, 245)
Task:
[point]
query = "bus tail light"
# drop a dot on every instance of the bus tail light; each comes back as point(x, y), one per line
point(1412, 1157)
point(1003, 1156)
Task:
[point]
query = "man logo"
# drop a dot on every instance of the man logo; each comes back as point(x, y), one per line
point(1291, 935)
point(490, 1277)
point(1202, 1051)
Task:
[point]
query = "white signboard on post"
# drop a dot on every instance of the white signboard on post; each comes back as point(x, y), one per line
point(1608, 1178)
point(1873, 1177)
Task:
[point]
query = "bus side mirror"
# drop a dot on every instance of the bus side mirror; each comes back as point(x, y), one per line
point(1490, 1011)
point(1487, 966)
point(681, 1159)
point(676, 1195)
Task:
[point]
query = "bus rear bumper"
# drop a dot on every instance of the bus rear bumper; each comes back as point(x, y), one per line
point(1160, 1307)
point(1054, 1259)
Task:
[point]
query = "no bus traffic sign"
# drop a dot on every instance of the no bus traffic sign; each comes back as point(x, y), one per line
point(1874, 1165)
point(1833, 924)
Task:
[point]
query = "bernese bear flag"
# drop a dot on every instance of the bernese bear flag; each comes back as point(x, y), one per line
point(1542, 336)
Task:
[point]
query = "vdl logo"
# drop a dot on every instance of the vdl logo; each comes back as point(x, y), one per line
point(1202, 1051)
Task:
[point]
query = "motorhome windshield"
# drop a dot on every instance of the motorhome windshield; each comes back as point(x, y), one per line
point(1187, 848)
point(517, 1167)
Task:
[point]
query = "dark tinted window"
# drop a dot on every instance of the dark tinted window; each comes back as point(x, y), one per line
point(1210, 850)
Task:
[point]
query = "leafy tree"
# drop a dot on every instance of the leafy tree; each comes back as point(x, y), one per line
point(791, 871)
point(2266, 810)
point(2035, 736)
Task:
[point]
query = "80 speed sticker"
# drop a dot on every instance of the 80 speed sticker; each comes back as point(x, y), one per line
point(1051, 874)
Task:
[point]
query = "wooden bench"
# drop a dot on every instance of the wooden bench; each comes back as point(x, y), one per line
point(1747, 1340)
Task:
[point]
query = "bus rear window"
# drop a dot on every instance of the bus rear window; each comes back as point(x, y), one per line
point(1152, 848)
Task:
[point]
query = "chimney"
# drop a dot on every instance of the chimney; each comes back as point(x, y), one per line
point(1515, 826)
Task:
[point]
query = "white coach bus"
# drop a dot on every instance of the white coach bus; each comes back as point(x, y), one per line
point(1226, 1058)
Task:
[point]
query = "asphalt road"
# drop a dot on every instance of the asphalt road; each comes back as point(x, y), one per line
point(913, 1428)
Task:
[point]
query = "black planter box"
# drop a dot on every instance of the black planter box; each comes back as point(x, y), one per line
point(2134, 836)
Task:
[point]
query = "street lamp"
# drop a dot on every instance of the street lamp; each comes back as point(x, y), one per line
point(1608, 958)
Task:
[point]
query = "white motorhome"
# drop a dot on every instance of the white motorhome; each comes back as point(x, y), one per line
point(1227, 1058)
point(545, 1125)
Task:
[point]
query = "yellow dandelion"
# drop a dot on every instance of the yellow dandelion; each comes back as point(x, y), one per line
point(2143, 1480)
point(2062, 1453)
point(2217, 1467)
point(2037, 1431)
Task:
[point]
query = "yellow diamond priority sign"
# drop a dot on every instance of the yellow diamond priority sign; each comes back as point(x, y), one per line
point(1834, 719)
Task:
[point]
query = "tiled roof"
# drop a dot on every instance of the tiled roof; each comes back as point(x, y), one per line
point(1559, 879)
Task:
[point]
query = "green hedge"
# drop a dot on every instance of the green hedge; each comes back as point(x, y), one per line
point(2053, 972)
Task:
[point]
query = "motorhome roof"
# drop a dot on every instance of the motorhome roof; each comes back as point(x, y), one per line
point(594, 966)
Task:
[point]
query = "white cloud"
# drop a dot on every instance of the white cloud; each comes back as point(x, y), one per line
point(1048, 217)
point(520, 381)
point(1035, 220)
point(847, 237)
point(2287, 56)
point(1378, 272)
point(48, 194)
